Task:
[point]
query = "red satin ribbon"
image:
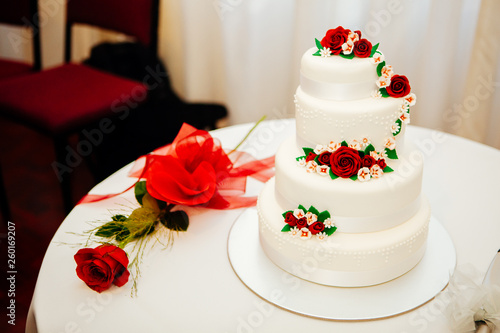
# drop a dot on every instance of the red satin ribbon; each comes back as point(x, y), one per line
point(189, 149)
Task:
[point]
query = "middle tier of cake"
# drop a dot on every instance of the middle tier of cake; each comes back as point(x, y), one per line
point(369, 206)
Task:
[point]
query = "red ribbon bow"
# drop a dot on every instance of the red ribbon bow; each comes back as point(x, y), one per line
point(194, 170)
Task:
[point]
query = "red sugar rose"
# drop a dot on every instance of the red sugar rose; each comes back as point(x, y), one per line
point(311, 156)
point(345, 162)
point(362, 48)
point(316, 227)
point(302, 222)
point(101, 267)
point(367, 161)
point(324, 158)
point(290, 219)
point(334, 39)
point(399, 87)
point(381, 163)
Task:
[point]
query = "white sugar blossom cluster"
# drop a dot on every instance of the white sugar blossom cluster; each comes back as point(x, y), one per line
point(378, 57)
point(404, 110)
point(385, 79)
point(304, 233)
point(376, 94)
point(348, 46)
point(325, 52)
point(365, 173)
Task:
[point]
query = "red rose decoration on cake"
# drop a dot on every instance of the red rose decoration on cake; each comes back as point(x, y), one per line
point(345, 162)
point(301, 223)
point(311, 156)
point(103, 266)
point(381, 163)
point(362, 48)
point(316, 227)
point(324, 158)
point(399, 87)
point(368, 161)
point(334, 39)
point(290, 219)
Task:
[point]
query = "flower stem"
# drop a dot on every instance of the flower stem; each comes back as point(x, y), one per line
point(169, 207)
point(248, 134)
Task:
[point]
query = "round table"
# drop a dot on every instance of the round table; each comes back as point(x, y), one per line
point(191, 286)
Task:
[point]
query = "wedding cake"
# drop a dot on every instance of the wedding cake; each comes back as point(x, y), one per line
point(345, 207)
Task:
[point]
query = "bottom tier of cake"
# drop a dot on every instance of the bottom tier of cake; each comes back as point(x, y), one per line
point(342, 259)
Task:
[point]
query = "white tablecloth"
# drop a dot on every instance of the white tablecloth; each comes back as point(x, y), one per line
point(191, 287)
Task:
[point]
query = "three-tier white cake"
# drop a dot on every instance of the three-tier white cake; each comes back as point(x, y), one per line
point(345, 207)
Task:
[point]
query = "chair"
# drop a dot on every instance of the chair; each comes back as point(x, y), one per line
point(18, 13)
point(69, 98)
point(15, 13)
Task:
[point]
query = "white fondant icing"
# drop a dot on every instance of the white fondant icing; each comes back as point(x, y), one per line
point(382, 221)
point(343, 259)
point(320, 121)
point(336, 69)
point(377, 200)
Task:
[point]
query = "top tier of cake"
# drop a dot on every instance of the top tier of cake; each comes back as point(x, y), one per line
point(348, 96)
point(336, 78)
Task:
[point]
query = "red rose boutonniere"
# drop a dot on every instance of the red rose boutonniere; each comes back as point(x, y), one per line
point(192, 171)
point(101, 267)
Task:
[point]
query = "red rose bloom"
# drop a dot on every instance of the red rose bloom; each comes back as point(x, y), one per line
point(302, 222)
point(399, 87)
point(290, 219)
point(367, 161)
point(362, 48)
point(101, 267)
point(311, 156)
point(316, 227)
point(334, 39)
point(345, 162)
point(324, 158)
point(381, 163)
point(191, 174)
point(358, 32)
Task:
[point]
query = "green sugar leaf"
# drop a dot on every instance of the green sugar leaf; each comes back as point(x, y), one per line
point(313, 210)
point(347, 56)
point(387, 169)
point(307, 150)
point(303, 208)
point(400, 123)
point(286, 228)
point(318, 44)
point(391, 153)
point(355, 177)
point(374, 49)
point(323, 216)
point(379, 68)
point(332, 175)
point(369, 149)
point(330, 231)
point(344, 144)
point(383, 92)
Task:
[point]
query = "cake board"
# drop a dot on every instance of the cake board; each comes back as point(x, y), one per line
point(407, 292)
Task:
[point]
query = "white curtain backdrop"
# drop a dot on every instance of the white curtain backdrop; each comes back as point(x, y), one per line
point(246, 53)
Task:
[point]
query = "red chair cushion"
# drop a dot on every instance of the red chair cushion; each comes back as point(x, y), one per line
point(10, 68)
point(69, 97)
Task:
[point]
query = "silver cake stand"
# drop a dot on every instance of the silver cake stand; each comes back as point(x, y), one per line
point(284, 290)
